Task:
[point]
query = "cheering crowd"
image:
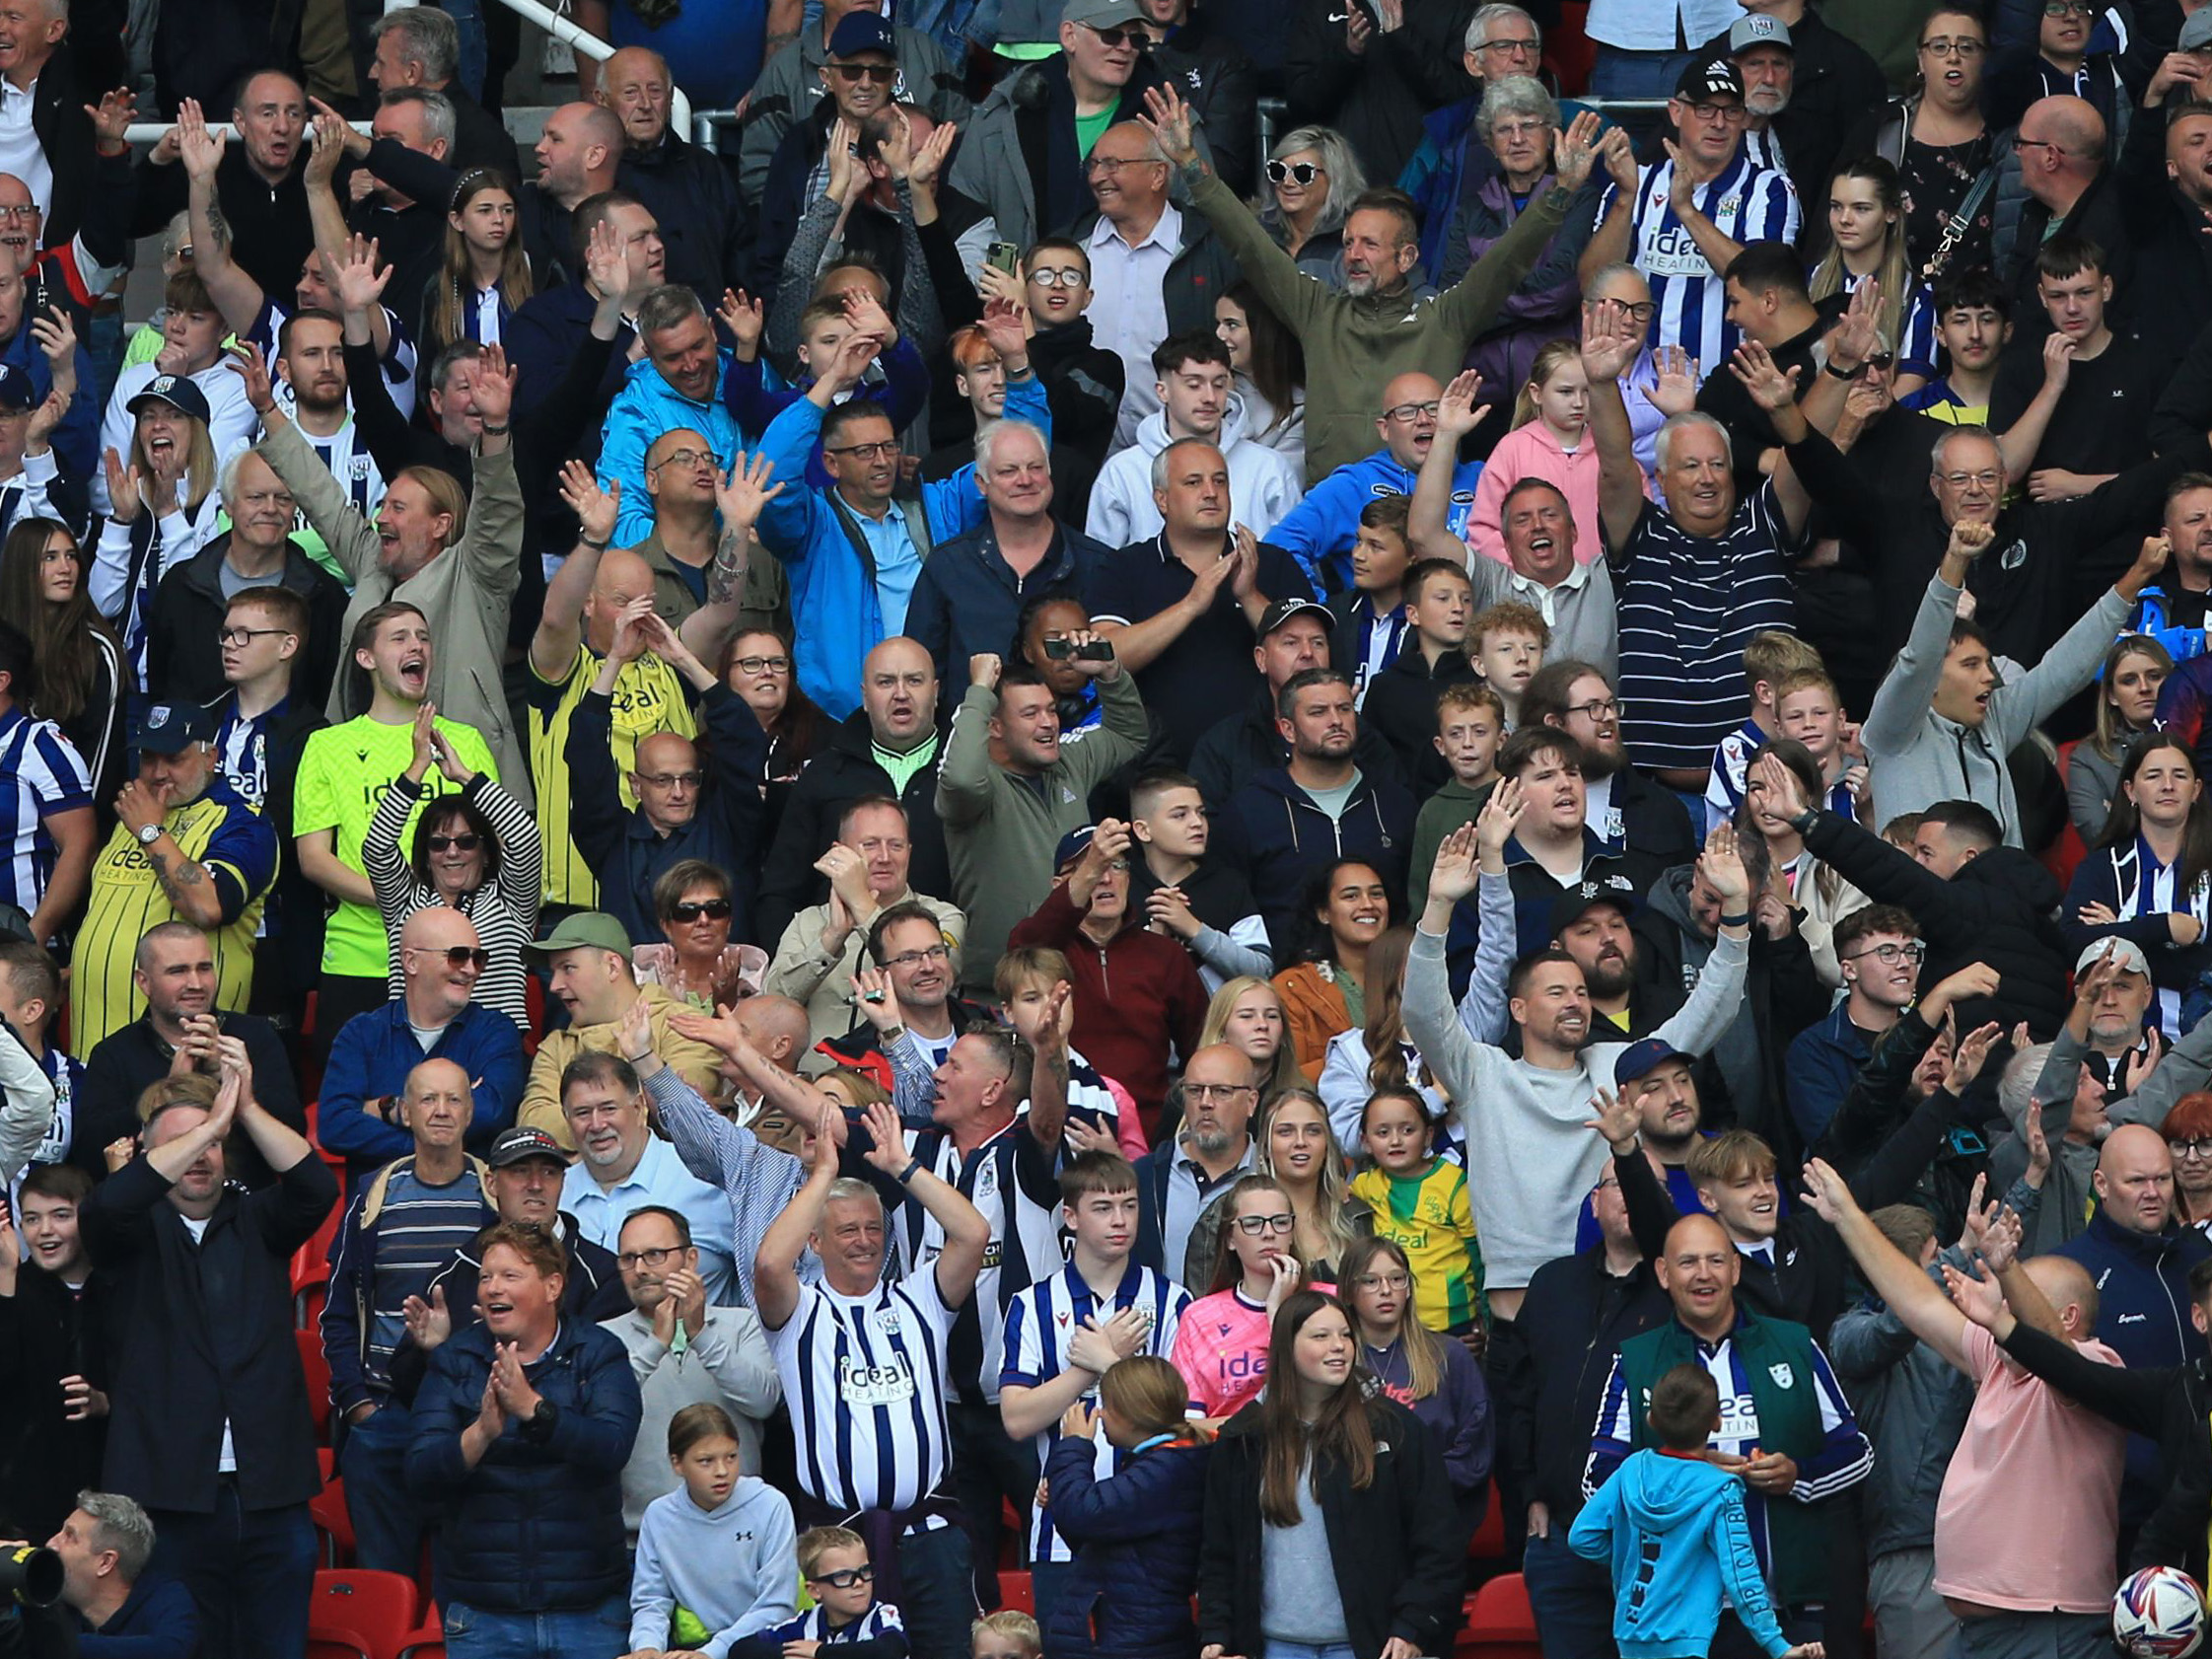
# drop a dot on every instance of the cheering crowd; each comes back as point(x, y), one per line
point(1156, 802)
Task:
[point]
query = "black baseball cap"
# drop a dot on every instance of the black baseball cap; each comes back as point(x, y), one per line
point(165, 728)
point(1709, 79)
point(1283, 609)
point(177, 391)
point(1571, 905)
point(519, 1142)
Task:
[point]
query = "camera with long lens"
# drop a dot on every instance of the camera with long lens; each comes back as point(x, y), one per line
point(30, 1576)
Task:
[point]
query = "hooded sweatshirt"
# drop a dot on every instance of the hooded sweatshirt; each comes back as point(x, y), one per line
point(1263, 485)
point(734, 1569)
point(1673, 1531)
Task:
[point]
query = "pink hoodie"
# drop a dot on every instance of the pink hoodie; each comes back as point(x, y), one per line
point(1533, 452)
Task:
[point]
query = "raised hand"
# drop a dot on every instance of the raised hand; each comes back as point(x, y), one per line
point(1006, 327)
point(355, 278)
point(1825, 1192)
point(1610, 341)
point(246, 361)
point(1574, 150)
point(1456, 411)
point(496, 383)
point(1976, 1296)
point(2002, 1238)
point(898, 148)
point(1969, 1056)
point(422, 755)
point(111, 117)
point(327, 148)
point(871, 994)
point(199, 150)
point(1675, 391)
point(1619, 158)
point(1970, 539)
point(867, 315)
point(1683, 176)
point(126, 488)
point(2140, 1065)
point(429, 1323)
point(1780, 788)
point(595, 508)
point(1499, 817)
point(743, 318)
point(633, 1033)
point(888, 1152)
point(719, 1031)
point(1770, 387)
point(1456, 872)
point(1168, 118)
point(928, 165)
point(1857, 334)
point(1617, 1120)
point(1723, 869)
point(843, 164)
point(743, 492)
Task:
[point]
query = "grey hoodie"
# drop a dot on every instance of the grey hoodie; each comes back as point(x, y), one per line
point(1918, 758)
point(735, 1567)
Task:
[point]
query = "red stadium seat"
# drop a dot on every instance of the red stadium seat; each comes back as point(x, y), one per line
point(1015, 1593)
point(1488, 1541)
point(326, 1509)
point(1499, 1623)
point(2060, 857)
point(331, 1642)
point(310, 1269)
point(318, 1371)
point(381, 1605)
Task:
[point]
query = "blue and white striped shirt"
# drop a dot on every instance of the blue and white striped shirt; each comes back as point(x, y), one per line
point(1747, 203)
point(40, 774)
point(865, 1379)
point(1039, 1325)
point(880, 1619)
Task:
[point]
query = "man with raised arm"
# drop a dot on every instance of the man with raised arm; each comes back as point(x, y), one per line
point(865, 1362)
point(1528, 1114)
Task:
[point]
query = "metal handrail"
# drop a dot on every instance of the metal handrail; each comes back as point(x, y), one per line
point(577, 39)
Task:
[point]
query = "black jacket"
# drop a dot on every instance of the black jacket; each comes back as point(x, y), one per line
point(480, 139)
point(1083, 386)
point(64, 133)
point(1221, 85)
point(2172, 290)
point(184, 657)
point(627, 854)
point(2096, 217)
point(1238, 748)
point(2000, 909)
point(270, 233)
point(1878, 1106)
point(1401, 709)
point(1653, 823)
point(1379, 99)
point(1833, 83)
point(1398, 1545)
point(840, 773)
point(204, 1335)
point(1551, 1362)
point(705, 225)
point(123, 1063)
point(48, 1332)
point(2166, 1404)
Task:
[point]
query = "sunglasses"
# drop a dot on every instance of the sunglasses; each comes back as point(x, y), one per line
point(461, 955)
point(691, 909)
point(1113, 39)
point(459, 843)
point(1304, 172)
point(883, 74)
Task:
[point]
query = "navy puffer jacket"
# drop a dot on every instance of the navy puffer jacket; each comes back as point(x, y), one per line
point(1135, 1537)
point(533, 1526)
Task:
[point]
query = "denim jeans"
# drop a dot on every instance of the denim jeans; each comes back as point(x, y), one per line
point(1620, 73)
point(594, 1632)
point(250, 1574)
point(1307, 1649)
point(1571, 1596)
point(468, 22)
point(388, 1523)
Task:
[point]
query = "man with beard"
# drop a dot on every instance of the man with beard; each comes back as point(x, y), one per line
point(1188, 1171)
point(2167, 208)
point(1880, 951)
point(1526, 1114)
point(1659, 1083)
point(1626, 810)
point(1289, 823)
point(344, 771)
point(1804, 84)
point(2173, 610)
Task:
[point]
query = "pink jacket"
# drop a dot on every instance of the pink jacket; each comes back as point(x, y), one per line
point(1531, 452)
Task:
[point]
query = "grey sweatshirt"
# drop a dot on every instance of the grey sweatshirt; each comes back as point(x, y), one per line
point(728, 1365)
point(736, 1567)
point(1918, 758)
point(1531, 1162)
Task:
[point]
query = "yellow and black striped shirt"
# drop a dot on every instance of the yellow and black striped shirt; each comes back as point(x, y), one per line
point(649, 696)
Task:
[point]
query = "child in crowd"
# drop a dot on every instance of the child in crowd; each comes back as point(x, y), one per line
point(1505, 646)
point(1400, 702)
point(1007, 1633)
point(1201, 901)
point(1372, 625)
point(833, 1564)
point(898, 379)
point(1221, 1340)
point(1769, 656)
point(1549, 440)
point(1470, 726)
point(1810, 710)
point(1137, 1532)
point(1420, 1200)
point(1974, 322)
point(1671, 1526)
point(716, 1559)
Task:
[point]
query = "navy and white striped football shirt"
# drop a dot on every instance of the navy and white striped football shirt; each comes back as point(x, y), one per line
point(42, 775)
point(1040, 1323)
point(1747, 203)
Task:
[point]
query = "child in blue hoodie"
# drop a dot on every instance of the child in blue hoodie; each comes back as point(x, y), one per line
point(1672, 1526)
point(716, 1559)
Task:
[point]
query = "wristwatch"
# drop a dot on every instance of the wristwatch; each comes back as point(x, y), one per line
point(148, 836)
point(541, 1422)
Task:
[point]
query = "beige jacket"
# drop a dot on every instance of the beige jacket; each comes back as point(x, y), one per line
point(805, 972)
point(695, 1062)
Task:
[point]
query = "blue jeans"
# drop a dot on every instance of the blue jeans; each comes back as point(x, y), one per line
point(1307, 1649)
point(1620, 73)
point(387, 1524)
point(1571, 1596)
point(595, 1632)
point(937, 1593)
point(468, 22)
point(250, 1574)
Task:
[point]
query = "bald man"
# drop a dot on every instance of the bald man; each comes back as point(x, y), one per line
point(686, 808)
point(373, 1056)
point(2052, 1595)
point(2139, 1254)
point(1319, 530)
point(1785, 1424)
point(400, 1230)
point(704, 220)
point(2063, 164)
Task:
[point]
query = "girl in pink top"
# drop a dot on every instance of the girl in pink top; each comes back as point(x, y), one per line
point(1221, 1342)
point(1549, 440)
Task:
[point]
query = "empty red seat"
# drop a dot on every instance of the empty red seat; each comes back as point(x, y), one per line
point(1488, 1541)
point(318, 1371)
point(381, 1607)
point(1499, 1623)
point(1015, 1593)
point(326, 1509)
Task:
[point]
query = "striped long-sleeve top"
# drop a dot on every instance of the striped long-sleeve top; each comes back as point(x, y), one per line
point(504, 908)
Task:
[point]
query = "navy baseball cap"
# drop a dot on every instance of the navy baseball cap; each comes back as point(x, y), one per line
point(169, 728)
point(1569, 907)
point(177, 391)
point(1073, 845)
point(1640, 1059)
point(16, 390)
point(519, 1142)
point(863, 31)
